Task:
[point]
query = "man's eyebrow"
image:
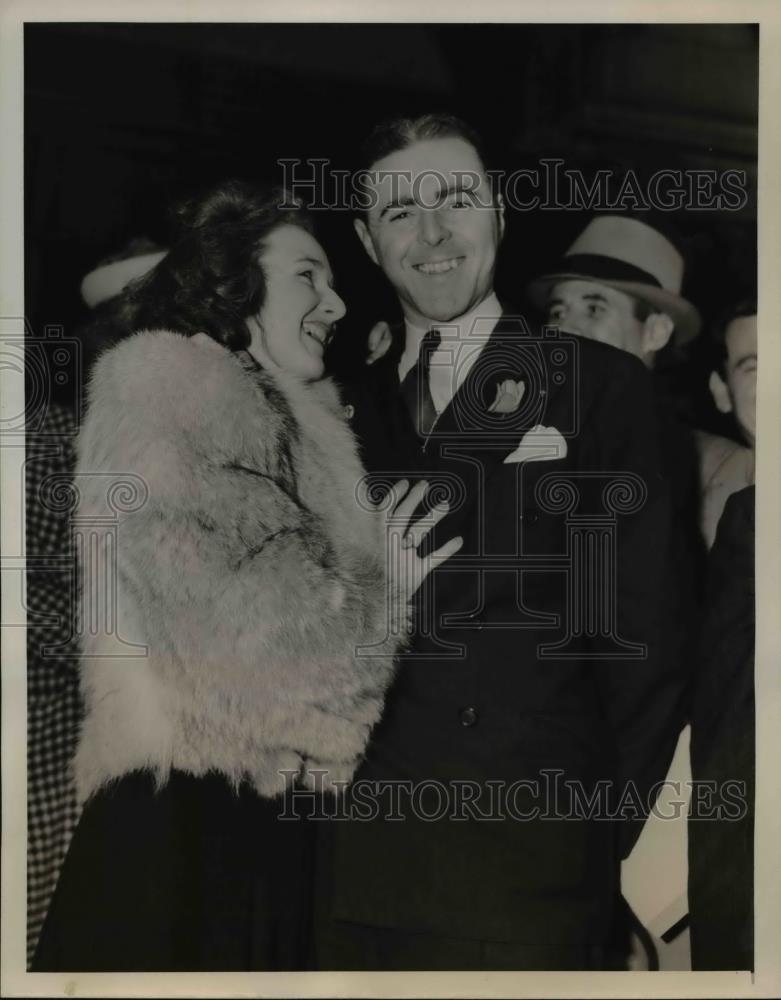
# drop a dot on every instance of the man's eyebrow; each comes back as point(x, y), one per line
point(404, 202)
point(458, 188)
point(744, 359)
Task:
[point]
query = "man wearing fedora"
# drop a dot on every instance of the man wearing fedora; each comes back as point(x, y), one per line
point(620, 284)
point(467, 841)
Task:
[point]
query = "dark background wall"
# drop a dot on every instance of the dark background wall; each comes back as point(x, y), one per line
point(122, 119)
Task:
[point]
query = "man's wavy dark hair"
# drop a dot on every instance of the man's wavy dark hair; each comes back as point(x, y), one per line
point(744, 307)
point(400, 132)
point(393, 134)
point(211, 279)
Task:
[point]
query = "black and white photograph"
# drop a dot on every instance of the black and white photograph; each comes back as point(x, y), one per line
point(389, 525)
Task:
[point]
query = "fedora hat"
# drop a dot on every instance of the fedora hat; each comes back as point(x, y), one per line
point(628, 255)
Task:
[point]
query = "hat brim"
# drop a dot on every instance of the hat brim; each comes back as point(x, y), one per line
point(108, 280)
point(684, 315)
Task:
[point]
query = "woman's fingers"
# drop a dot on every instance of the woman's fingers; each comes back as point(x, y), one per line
point(442, 554)
point(412, 570)
point(396, 492)
point(404, 508)
point(418, 531)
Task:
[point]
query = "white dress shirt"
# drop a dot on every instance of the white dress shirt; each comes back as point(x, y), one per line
point(462, 341)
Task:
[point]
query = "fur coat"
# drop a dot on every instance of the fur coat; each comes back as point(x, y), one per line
point(246, 620)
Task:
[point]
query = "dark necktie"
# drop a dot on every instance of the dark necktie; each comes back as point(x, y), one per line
point(415, 388)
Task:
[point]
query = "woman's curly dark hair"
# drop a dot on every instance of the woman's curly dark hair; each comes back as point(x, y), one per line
point(211, 280)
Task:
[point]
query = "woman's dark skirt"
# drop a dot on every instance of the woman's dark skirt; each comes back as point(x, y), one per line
point(192, 877)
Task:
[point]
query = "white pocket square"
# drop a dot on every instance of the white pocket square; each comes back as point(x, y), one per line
point(540, 444)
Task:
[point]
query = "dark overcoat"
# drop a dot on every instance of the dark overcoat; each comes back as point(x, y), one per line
point(721, 841)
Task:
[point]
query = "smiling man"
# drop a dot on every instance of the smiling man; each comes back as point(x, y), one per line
point(453, 853)
point(434, 229)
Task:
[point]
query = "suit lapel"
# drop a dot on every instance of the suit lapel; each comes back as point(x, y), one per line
point(468, 442)
point(395, 446)
point(510, 354)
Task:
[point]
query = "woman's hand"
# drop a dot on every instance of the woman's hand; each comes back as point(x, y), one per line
point(406, 569)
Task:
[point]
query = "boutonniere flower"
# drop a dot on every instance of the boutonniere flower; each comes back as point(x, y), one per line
point(540, 444)
point(348, 411)
point(508, 397)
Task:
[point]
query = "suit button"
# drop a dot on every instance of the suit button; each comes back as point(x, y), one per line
point(468, 716)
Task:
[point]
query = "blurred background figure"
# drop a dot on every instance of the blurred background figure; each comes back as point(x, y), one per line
point(721, 853)
point(727, 465)
point(117, 270)
point(54, 708)
point(53, 703)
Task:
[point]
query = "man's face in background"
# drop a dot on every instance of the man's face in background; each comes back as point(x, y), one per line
point(596, 311)
point(600, 312)
point(433, 228)
point(736, 392)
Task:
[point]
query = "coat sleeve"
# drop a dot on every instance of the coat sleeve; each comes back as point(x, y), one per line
point(275, 640)
point(643, 696)
point(271, 610)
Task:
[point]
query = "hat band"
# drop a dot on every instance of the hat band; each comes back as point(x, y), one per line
point(607, 269)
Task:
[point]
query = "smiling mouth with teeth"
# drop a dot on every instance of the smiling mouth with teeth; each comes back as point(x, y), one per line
point(438, 266)
point(319, 333)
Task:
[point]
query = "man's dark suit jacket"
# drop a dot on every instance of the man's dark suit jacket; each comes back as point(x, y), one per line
point(484, 694)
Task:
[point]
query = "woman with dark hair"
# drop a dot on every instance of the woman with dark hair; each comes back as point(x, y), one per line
point(239, 617)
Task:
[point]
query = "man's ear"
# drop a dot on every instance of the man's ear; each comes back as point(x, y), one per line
point(363, 235)
point(500, 214)
point(720, 392)
point(657, 330)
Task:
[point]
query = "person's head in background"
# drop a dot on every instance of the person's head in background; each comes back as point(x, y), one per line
point(733, 378)
point(114, 272)
point(432, 222)
point(619, 283)
point(243, 271)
